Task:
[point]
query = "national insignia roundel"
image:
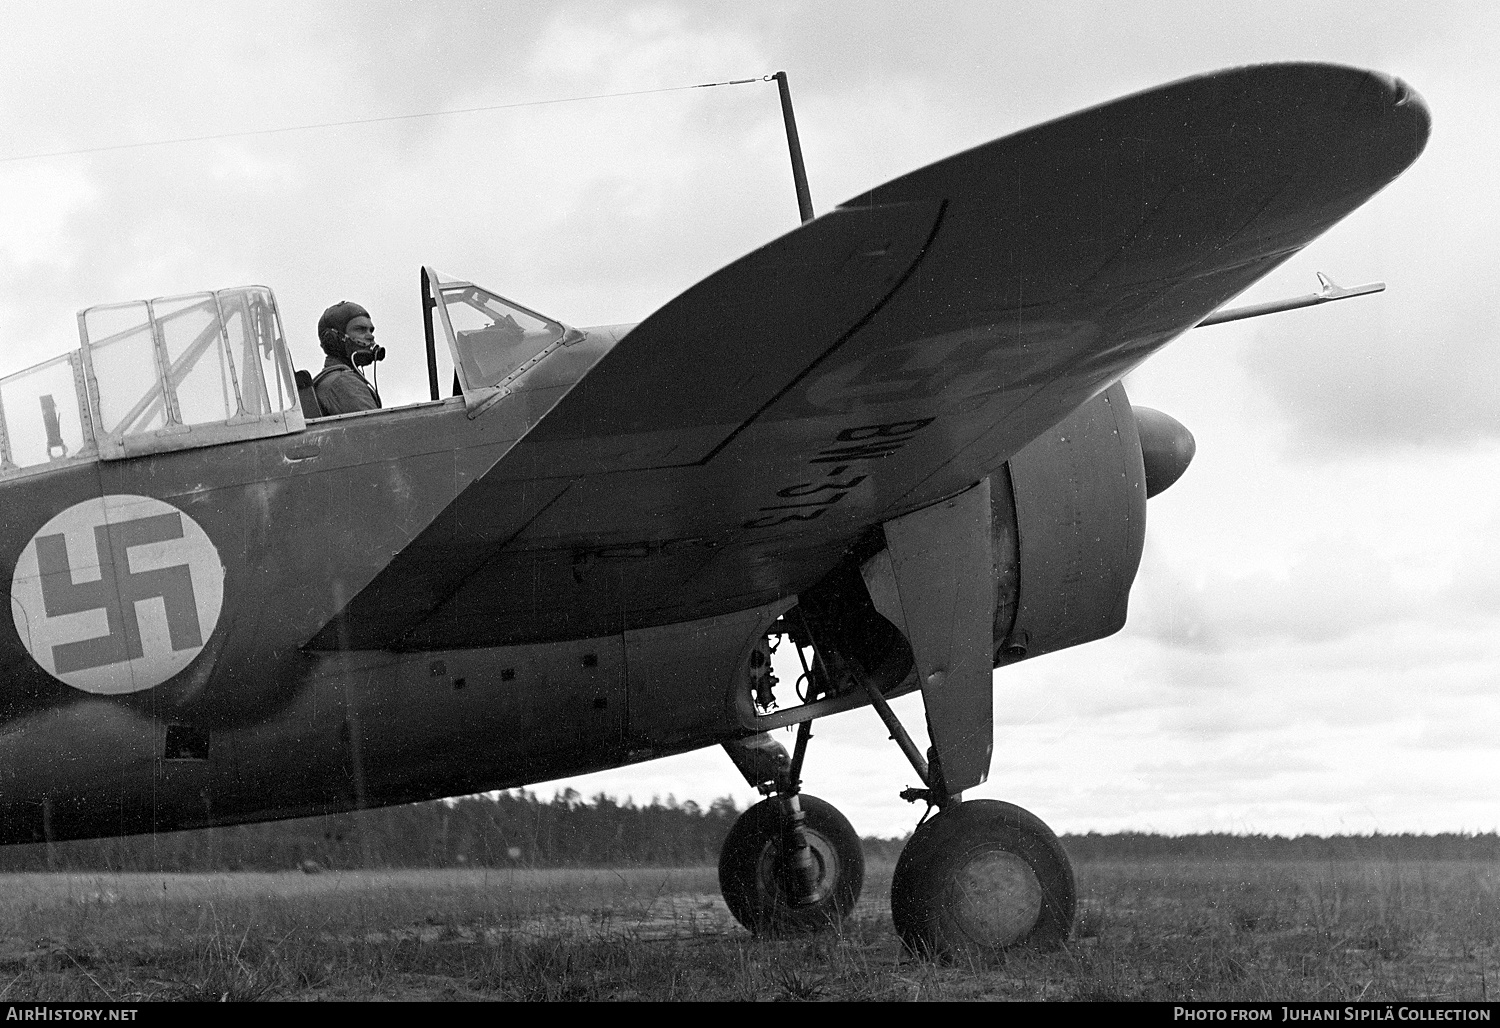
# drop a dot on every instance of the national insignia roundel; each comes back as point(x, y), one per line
point(117, 594)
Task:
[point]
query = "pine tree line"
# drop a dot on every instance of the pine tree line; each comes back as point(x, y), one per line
point(519, 829)
point(1226, 846)
point(508, 829)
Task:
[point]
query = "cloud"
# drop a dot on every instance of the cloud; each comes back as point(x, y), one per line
point(37, 208)
point(1464, 727)
point(1417, 364)
point(1248, 551)
point(1323, 594)
point(1240, 765)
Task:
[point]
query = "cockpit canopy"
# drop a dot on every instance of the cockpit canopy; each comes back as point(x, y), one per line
point(208, 368)
point(210, 364)
point(155, 375)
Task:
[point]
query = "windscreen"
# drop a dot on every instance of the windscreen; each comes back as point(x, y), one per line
point(493, 336)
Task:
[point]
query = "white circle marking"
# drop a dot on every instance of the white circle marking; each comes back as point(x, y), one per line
point(117, 594)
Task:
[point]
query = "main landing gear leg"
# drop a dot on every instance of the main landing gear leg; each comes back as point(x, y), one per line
point(792, 863)
point(980, 877)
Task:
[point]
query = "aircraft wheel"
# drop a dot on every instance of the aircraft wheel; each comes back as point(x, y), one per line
point(754, 869)
point(981, 878)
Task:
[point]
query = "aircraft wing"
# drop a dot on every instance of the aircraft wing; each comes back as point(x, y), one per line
point(885, 355)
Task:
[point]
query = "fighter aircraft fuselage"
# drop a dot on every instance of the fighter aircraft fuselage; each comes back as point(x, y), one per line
point(264, 723)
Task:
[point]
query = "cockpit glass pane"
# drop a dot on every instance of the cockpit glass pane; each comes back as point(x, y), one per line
point(255, 344)
point(203, 381)
point(123, 352)
point(493, 336)
point(41, 415)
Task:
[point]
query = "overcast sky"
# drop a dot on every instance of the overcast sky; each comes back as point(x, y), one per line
point(1314, 640)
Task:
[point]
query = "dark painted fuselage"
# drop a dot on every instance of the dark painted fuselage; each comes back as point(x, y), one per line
point(257, 725)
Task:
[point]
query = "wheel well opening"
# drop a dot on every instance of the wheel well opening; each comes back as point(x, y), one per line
point(817, 656)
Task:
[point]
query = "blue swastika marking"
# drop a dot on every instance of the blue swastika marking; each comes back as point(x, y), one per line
point(117, 591)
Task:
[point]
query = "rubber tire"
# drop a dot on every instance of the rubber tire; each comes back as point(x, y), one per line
point(751, 871)
point(975, 851)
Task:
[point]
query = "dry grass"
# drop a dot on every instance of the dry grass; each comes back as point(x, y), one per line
point(1371, 930)
point(1161, 930)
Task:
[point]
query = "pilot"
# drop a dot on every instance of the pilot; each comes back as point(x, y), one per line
point(347, 335)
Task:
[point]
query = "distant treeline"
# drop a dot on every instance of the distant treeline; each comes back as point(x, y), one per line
point(519, 829)
point(507, 829)
point(1224, 846)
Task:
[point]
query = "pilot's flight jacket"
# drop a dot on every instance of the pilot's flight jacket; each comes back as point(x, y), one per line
point(342, 390)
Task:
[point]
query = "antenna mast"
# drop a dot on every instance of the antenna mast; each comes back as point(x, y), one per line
point(799, 173)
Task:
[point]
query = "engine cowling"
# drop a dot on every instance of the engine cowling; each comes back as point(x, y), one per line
point(1069, 524)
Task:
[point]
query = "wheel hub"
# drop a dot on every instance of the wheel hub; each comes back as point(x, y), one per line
point(775, 867)
point(755, 869)
point(996, 898)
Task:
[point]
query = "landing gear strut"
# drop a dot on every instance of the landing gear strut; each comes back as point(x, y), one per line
point(792, 863)
point(979, 878)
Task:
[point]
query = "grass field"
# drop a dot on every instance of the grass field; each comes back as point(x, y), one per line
point(1164, 930)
